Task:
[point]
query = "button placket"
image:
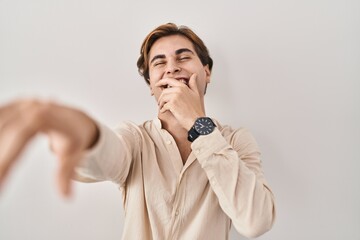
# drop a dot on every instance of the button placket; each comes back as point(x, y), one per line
point(178, 201)
point(178, 197)
point(170, 145)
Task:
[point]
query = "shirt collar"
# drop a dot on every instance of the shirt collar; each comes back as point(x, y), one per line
point(157, 122)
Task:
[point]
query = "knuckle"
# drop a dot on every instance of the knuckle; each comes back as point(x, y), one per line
point(3, 125)
point(31, 114)
point(35, 110)
point(23, 118)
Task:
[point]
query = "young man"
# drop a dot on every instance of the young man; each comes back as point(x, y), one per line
point(183, 175)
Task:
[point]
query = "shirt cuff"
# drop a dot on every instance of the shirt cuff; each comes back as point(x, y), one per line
point(206, 145)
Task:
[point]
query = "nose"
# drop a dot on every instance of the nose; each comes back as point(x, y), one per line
point(172, 68)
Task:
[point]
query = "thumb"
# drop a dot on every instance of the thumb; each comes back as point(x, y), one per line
point(66, 172)
point(192, 82)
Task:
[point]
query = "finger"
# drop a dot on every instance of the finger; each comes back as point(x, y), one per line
point(165, 107)
point(7, 113)
point(193, 82)
point(170, 95)
point(5, 109)
point(12, 141)
point(19, 122)
point(163, 100)
point(166, 82)
point(167, 94)
point(66, 173)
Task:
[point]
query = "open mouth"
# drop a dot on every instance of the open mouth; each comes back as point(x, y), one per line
point(182, 80)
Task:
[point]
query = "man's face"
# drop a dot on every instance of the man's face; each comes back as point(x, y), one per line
point(175, 57)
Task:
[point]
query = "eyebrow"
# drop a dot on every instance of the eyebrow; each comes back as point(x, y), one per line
point(157, 57)
point(182, 50)
point(177, 52)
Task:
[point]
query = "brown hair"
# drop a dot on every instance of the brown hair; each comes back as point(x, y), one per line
point(168, 30)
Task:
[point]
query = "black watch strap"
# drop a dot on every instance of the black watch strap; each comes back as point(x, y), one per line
point(193, 134)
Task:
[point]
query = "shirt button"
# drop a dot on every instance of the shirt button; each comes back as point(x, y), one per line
point(168, 142)
point(197, 151)
point(177, 212)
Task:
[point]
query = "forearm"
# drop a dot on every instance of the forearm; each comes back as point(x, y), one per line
point(238, 183)
point(110, 158)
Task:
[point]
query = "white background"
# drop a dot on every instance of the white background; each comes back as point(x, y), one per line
point(287, 70)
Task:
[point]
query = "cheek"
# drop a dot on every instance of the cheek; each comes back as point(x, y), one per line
point(155, 74)
point(202, 81)
point(155, 90)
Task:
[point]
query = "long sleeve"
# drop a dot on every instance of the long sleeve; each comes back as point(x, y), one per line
point(111, 157)
point(233, 167)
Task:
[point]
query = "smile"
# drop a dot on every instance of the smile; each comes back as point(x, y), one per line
point(183, 80)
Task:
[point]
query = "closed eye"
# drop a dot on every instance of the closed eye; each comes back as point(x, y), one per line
point(158, 63)
point(184, 58)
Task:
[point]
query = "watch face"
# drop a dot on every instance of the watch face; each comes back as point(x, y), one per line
point(204, 126)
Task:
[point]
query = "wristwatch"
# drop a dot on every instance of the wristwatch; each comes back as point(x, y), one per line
point(202, 126)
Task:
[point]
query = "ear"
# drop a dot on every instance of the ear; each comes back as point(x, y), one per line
point(207, 73)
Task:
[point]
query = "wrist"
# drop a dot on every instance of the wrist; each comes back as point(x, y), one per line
point(191, 121)
point(94, 135)
point(202, 126)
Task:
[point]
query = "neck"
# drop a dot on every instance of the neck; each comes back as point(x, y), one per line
point(180, 134)
point(169, 122)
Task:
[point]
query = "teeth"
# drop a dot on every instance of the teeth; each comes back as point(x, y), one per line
point(180, 80)
point(184, 82)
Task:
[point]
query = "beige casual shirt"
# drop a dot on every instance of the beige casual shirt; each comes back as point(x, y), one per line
point(221, 183)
